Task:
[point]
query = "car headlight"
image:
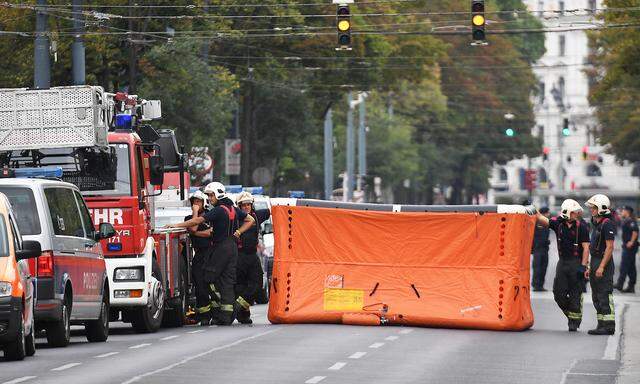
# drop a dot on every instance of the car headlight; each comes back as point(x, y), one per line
point(5, 289)
point(128, 274)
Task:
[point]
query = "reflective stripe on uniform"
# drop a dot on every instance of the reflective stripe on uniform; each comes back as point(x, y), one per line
point(574, 315)
point(611, 317)
point(204, 309)
point(226, 307)
point(611, 307)
point(599, 317)
point(243, 303)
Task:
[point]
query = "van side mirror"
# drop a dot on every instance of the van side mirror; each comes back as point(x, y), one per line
point(156, 168)
point(30, 249)
point(105, 231)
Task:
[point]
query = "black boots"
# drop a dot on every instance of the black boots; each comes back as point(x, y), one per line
point(242, 310)
point(574, 325)
point(630, 289)
point(604, 328)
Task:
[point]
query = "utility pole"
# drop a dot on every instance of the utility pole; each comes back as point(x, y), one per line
point(42, 62)
point(362, 142)
point(328, 154)
point(77, 49)
point(205, 43)
point(133, 58)
point(351, 148)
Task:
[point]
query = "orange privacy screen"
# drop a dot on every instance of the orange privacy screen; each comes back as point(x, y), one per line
point(435, 269)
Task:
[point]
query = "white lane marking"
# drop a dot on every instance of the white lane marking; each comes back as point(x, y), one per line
point(376, 345)
point(592, 374)
point(337, 366)
point(105, 355)
point(196, 331)
point(357, 355)
point(169, 337)
point(406, 331)
point(566, 373)
point(139, 346)
point(188, 359)
point(20, 380)
point(391, 338)
point(66, 366)
point(315, 379)
point(613, 341)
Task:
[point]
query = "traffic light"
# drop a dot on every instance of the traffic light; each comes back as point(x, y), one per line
point(585, 152)
point(530, 176)
point(545, 153)
point(343, 23)
point(565, 127)
point(477, 22)
point(509, 132)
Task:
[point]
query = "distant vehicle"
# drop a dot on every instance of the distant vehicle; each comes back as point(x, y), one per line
point(17, 329)
point(71, 277)
point(265, 249)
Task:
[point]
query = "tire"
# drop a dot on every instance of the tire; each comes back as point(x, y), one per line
point(149, 318)
point(30, 340)
point(98, 330)
point(175, 317)
point(59, 332)
point(16, 350)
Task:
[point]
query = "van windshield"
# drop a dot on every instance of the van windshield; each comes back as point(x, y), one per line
point(24, 209)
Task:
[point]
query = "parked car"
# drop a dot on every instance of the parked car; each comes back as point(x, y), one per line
point(17, 330)
point(265, 249)
point(70, 274)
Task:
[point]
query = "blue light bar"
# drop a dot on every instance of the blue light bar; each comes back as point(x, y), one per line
point(114, 247)
point(233, 188)
point(46, 172)
point(254, 190)
point(296, 194)
point(124, 121)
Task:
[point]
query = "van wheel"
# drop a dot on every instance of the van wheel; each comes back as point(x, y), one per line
point(15, 350)
point(59, 332)
point(149, 318)
point(30, 341)
point(98, 330)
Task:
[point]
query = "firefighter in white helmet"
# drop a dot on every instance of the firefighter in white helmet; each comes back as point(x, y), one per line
point(601, 280)
point(249, 271)
point(220, 264)
point(572, 268)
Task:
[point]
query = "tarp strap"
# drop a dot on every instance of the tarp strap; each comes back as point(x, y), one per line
point(415, 290)
point(374, 289)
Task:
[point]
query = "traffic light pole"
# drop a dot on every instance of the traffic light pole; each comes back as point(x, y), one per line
point(328, 155)
point(362, 142)
point(351, 148)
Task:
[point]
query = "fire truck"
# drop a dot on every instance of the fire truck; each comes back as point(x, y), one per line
point(105, 145)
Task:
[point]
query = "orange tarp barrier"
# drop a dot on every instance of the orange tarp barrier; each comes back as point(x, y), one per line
point(435, 269)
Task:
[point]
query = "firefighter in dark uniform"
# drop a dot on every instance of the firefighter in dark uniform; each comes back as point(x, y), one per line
point(249, 271)
point(602, 269)
point(540, 253)
point(201, 242)
point(573, 252)
point(220, 262)
point(629, 251)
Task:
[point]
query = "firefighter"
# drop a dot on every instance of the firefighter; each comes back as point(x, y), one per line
point(249, 271)
point(629, 250)
point(220, 261)
point(540, 253)
point(601, 278)
point(201, 242)
point(572, 268)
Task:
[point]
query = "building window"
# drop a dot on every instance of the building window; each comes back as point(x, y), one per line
point(593, 170)
point(541, 91)
point(502, 174)
point(635, 172)
point(540, 8)
point(593, 5)
point(541, 131)
point(561, 88)
point(562, 45)
point(561, 7)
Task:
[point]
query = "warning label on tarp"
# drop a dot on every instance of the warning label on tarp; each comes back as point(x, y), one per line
point(343, 299)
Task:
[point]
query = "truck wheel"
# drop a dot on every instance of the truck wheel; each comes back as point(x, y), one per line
point(59, 332)
point(149, 318)
point(98, 330)
point(30, 340)
point(16, 350)
point(175, 317)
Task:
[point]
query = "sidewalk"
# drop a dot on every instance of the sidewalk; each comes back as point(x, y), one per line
point(630, 348)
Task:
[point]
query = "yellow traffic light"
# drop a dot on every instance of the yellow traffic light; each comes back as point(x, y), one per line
point(478, 20)
point(344, 25)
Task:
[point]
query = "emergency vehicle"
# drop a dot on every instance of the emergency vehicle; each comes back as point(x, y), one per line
point(106, 146)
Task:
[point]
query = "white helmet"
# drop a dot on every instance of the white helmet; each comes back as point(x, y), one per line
point(244, 197)
point(217, 189)
point(199, 195)
point(568, 206)
point(601, 202)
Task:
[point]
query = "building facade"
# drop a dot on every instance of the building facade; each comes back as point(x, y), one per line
point(573, 163)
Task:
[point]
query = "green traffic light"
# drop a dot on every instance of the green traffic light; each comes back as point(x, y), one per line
point(509, 132)
point(566, 132)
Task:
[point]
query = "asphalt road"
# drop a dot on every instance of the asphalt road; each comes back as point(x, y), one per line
point(265, 353)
